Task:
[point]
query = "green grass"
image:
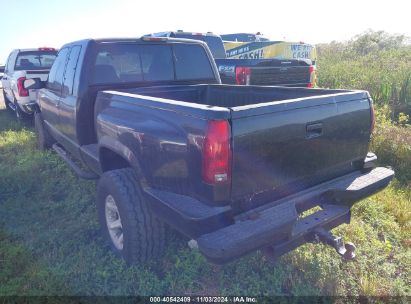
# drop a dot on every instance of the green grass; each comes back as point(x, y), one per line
point(50, 243)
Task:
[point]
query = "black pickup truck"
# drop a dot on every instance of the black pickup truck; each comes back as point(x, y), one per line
point(254, 70)
point(231, 167)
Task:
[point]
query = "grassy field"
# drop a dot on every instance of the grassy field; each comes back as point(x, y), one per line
point(50, 242)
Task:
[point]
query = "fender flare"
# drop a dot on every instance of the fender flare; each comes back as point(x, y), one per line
point(123, 151)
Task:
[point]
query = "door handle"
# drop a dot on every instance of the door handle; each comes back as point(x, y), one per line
point(314, 130)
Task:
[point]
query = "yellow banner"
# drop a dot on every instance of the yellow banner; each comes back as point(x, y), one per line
point(270, 49)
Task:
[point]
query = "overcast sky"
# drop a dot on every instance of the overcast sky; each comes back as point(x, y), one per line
point(36, 23)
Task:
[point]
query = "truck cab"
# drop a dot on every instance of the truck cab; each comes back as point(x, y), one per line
point(212, 40)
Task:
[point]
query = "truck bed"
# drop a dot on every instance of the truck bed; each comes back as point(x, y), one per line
point(283, 139)
point(232, 96)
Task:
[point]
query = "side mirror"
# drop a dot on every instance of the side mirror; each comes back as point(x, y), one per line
point(33, 83)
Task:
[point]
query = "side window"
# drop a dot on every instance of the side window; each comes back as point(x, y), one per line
point(117, 63)
point(55, 80)
point(71, 70)
point(192, 62)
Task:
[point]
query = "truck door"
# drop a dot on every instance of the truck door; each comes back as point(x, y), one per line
point(69, 95)
point(49, 98)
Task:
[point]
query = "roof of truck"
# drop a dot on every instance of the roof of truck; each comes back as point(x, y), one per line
point(45, 49)
point(139, 39)
point(180, 32)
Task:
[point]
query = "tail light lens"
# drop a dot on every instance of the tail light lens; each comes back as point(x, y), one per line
point(313, 77)
point(217, 153)
point(242, 75)
point(147, 38)
point(20, 87)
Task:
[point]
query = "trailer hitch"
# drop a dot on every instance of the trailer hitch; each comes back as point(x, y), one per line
point(346, 250)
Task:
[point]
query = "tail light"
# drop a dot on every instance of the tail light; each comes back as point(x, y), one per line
point(217, 153)
point(147, 38)
point(242, 75)
point(23, 92)
point(313, 77)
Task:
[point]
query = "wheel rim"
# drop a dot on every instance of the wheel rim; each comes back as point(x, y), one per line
point(113, 221)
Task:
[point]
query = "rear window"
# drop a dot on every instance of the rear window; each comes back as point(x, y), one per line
point(191, 63)
point(214, 43)
point(35, 60)
point(121, 63)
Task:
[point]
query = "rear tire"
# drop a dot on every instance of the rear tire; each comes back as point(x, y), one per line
point(6, 101)
point(132, 230)
point(44, 139)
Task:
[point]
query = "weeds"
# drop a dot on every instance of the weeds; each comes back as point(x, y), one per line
point(384, 71)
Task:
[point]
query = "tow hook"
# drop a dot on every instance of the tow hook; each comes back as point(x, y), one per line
point(346, 250)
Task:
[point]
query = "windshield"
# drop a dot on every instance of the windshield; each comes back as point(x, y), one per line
point(35, 60)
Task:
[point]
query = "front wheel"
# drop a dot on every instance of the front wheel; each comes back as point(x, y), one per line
point(132, 230)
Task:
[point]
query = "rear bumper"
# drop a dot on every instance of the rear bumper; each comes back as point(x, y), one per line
point(222, 237)
point(282, 232)
point(26, 104)
point(29, 107)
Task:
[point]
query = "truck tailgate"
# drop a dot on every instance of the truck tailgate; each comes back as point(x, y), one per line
point(280, 148)
point(42, 74)
point(275, 75)
point(276, 72)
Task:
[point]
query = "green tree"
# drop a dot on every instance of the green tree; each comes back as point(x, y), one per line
point(370, 41)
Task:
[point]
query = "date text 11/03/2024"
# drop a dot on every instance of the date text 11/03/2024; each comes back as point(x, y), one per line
point(203, 299)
